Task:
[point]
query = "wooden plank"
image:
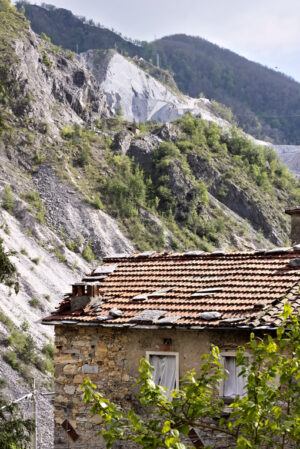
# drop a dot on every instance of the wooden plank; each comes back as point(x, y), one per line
point(195, 439)
point(70, 430)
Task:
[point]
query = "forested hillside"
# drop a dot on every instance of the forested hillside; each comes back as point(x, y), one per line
point(266, 103)
point(71, 32)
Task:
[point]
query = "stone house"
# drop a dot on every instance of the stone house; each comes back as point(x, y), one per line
point(169, 307)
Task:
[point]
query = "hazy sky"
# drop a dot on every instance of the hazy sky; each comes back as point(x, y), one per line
point(266, 31)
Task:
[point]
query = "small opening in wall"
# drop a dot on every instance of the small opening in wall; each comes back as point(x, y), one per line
point(59, 347)
point(93, 346)
point(167, 341)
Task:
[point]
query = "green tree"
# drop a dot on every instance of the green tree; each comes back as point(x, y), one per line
point(14, 431)
point(268, 416)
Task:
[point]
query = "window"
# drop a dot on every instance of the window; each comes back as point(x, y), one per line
point(165, 371)
point(235, 384)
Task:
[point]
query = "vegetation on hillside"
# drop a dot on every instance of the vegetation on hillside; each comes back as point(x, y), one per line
point(74, 33)
point(266, 103)
point(118, 184)
point(21, 352)
point(8, 272)
point(173, 201)
point(15, 432)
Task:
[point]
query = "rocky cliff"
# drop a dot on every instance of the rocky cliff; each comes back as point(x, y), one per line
point(130, 90)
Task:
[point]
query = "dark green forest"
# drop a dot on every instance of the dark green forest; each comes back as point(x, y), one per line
point(265, 103)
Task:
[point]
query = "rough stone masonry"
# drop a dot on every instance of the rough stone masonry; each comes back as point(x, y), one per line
point(110, 358)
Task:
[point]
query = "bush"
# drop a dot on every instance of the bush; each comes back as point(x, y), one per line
point(8, 272)
point(48, 350)
point(88, 252)
point(34, 302)
point(33, 197)
point(8, 200)
point(59, 255)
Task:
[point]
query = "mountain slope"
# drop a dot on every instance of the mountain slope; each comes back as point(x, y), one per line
point(74, 34)
point(78, 183)
point(265, 102)
point(130, 90)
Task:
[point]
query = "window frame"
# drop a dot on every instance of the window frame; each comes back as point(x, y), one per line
point(167, 353)
point(223, 355)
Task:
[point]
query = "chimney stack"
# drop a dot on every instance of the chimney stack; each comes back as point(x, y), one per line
point(295, 225)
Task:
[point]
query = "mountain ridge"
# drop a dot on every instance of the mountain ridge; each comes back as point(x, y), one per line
point(262, 99)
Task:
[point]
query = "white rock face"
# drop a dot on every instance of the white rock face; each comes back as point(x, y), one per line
point(141, 97)
point(290, 156)
point(61, 92)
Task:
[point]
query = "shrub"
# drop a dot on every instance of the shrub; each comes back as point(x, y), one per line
point(8, 200)
point(88, 252)
point(59, 255)
point(8, 272)
point(33, 197)
point(25, 326)
point(48, 350)
point(34, 302)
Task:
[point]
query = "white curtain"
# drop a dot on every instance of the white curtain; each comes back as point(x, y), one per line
point(164, 373)
point(235, 384)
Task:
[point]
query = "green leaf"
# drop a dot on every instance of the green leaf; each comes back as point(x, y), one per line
point(166, 427)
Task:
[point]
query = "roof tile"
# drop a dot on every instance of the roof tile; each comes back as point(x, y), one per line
point(248, 286)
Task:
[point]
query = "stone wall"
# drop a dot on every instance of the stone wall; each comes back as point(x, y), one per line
point(110, 358)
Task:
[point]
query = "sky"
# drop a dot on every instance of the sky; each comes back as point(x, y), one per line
point(265, 31)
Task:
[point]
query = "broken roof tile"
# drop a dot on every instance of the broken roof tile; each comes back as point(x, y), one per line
point(149, 315)
point(105, 269)
point(142, 297)
point(168, 320)
point(239, 286)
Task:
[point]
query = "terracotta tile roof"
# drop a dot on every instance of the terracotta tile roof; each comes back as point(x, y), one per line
point(181, 290)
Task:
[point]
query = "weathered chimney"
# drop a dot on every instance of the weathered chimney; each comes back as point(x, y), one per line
point(295, 225)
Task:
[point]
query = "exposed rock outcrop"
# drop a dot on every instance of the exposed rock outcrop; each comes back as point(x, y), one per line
point(234, 198)
point(57, 89)
point(69, 214)
point(138, 95)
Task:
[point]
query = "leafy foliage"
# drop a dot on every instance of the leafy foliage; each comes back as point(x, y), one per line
point(172, 186)
point(8, 272)
point(80, 35)
point(8, 200)
point(268, 416)
point(88, 252)
point(33, 198)
point(15, 431)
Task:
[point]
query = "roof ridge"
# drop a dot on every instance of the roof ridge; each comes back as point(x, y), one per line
point(196, 253)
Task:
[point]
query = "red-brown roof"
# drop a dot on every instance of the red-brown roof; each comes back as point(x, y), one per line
point(169, 289)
